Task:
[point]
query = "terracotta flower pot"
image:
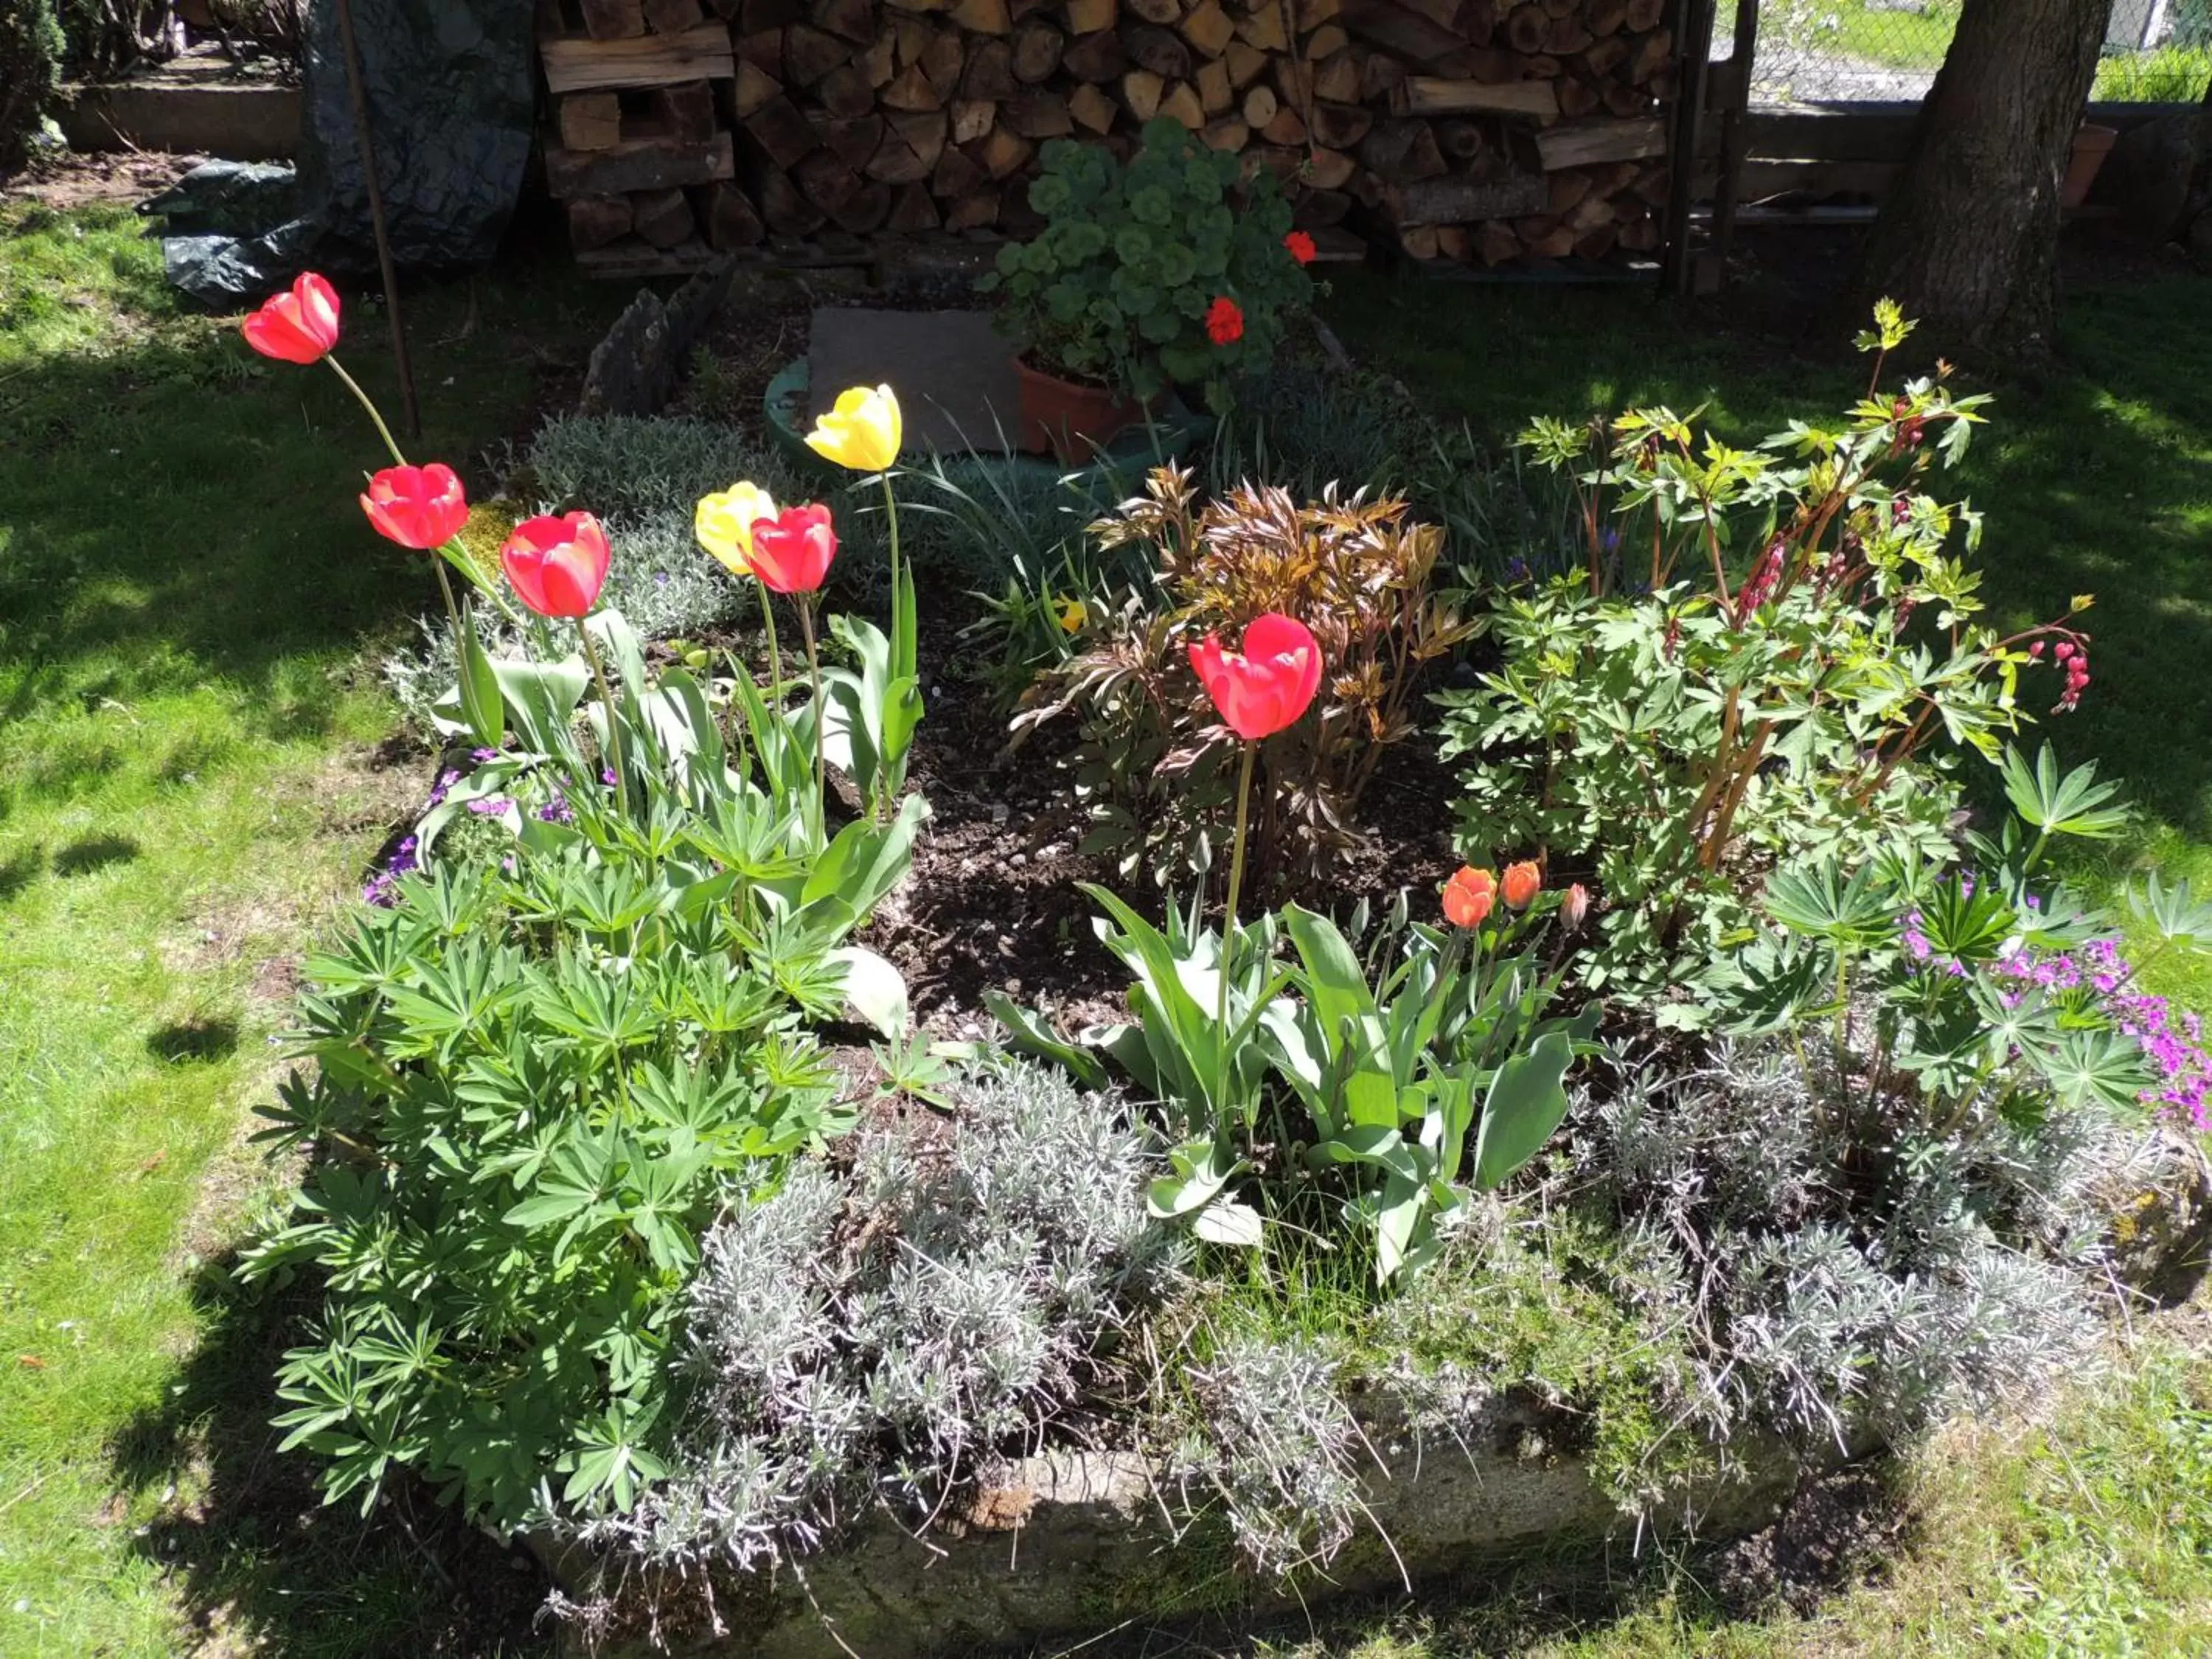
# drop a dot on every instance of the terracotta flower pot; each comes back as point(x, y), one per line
point(2091, 145)
point(1070, 419)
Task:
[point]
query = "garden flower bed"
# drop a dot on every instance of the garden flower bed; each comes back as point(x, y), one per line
point(1112, 1058)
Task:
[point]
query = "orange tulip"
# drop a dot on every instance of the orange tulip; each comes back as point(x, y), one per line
point(1523, 881)
point(1469, 895)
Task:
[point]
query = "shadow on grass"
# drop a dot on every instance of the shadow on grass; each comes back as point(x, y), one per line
point(19, 870)
point(252, 1550)
point(82, 857)
point(194, 1040)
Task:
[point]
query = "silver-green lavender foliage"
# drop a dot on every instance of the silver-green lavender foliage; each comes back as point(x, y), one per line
point(1844, 1296)
point(882, 1334)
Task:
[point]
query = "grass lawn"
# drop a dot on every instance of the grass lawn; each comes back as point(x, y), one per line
point(187, 785)
point(190, 606)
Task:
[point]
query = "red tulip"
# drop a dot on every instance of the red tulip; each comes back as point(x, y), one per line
point(1469, 897)
point(791, 551)
point(417, 506)
point(1225, 321)
point(1271, 684)
point(297, 327)
point(557, 565)
point(1301, 246)
point(1523, 881)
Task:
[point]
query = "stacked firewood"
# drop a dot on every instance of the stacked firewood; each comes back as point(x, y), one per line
point(1469, 129)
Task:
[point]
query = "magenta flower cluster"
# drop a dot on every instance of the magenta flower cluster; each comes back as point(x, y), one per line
point(2172, 1038)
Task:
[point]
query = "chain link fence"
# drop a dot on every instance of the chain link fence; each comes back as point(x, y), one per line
point(1818, 52)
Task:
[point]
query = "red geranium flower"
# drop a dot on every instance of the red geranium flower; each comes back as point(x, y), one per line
point(297, 327)
point(1225, 322)
point(1266, 689)
point(417, 506)
point(557, 565)
point(1301, 246)
point(791, 551)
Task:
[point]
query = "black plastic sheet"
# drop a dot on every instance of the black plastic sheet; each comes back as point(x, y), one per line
point(449, 90)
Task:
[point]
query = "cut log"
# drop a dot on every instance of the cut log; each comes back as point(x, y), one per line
point(1089, 17)
point(1312, 14)
point(1091, 109)
point(647, 164)
point(1037, 48)
point(879, 61)
point(1526, 27)
point(1038, 115)
point(672, 17)
point(1426, 94)
point(1380, 77)
point(924, 135)
point(1451, 242)
point(1158, 11)
point(1095, 59)
point(1461, 140)
point(1655, 52)
point(1419, 242)
point(1337, 78)
point(1627, 101)
point(1341, 127)
point(1415, 38)
point(1640, 236)
point(1141, 91)
point(1604, 56)
point(989, 75)
point(973, 212)
point(1577, 98)
point(1327, 41)
point(1318, 208)
point(763, 50)
point(1230, 135)
point(595, 221)
point(612, 19)
point(845, 92)
point(754, 15)
point(1284, 127)
point(1589, 214)
point(855, 20)
point(912, 209)
point(910, 90)
point(1401, 152)
point(1259, 106)
point(756, 86)
point(784, 209)
point(1495, 242)
point(1596, 242)
point(1603, 17)
point(1446, 15)
point(1180, 102)
point(1641, 14)
point(730, 219)
point(1591, 141)
point(591, 120)
point(1000, 153)
point(1215, 95)
point(855, 140)
point(810, 54)
point(650, 60)
point(1462, 200)
point(684, 111)
point(942, 61)
point(1565, 190)
point(1158, 51)
point(1555, 243)
point(956, 175)
point(663, 217)
point(827, 181)
point(783, 134)
point(1264, 27)
point(1565, 38)
point(971, 120)
point(1542, 66)
point(983, 16)
point(1329, 169)
point(1247, 62)
point(1208, 28)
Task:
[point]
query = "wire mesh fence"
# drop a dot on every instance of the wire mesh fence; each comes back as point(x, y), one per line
point(1818, 52)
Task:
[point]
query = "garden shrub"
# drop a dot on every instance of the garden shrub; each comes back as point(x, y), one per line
point(885, 1333)
point(1674, 736)
point(1153, 766)
point(30, 71)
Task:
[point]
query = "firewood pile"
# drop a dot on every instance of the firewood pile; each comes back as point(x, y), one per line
point(1480, 130)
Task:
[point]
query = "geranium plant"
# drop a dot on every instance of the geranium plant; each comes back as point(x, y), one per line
point(1175, 270)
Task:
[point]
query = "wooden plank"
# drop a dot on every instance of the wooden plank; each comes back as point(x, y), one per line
point(1463, 202)
point(634, 256)
point(1429, 94)
point(1588, 141)
point(1762, 179)
point(645, 164)
point(651, 60)
point(1830, 135)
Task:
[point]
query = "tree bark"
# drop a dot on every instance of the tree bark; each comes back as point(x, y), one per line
point(1968, 241)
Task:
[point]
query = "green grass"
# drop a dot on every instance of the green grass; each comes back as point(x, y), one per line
point(2095, 477)
point(2087, 1536)
point(187, 787)
point(2171, 74)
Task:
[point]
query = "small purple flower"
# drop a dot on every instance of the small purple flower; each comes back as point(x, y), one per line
point(380, 891)
point(557, 811)
point(489, 806)
point(1517, 569)
point(445, 781)
point(607, 777)
point(480, 756)
point(660, 579)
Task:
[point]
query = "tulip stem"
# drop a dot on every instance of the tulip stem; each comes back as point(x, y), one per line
point(1228, 925)
point(445, 587)
point(606, 695)
point(814, 673)
point(354, 386)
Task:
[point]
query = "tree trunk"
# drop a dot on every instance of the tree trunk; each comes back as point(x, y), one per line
point(1968, 242)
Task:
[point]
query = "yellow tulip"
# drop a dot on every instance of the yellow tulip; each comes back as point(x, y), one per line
point(724, 523)
point(1072, 614)
point(862, 432)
